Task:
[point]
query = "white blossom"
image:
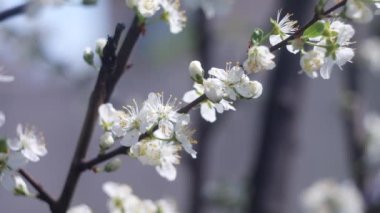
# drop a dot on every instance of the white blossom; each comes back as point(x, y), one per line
point(100, 44)
point(121, 198)
point(208, 109)
point(213, 89)
point(340, 53)
point(148, 8)
point(311, 62)
point(359, 11)
point(161, 154)
point(108, 116)
point(173, 15)
point(327, 196)
point(184, 135)
point(259, 59)
point(82, 208)
point(30, 143)
point(282, 29)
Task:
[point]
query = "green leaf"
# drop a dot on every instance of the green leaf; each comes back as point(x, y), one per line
point(314, 30)
point(257, 36)
point(3, 146)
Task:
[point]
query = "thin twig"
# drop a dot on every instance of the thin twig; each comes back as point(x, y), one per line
point(299, 32)
point(42, 194)
point(13, 11)
point(123, 150)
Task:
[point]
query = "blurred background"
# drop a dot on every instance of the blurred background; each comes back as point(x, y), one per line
point(260, 157)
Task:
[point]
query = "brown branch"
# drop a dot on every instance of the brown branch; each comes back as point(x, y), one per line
point(110, 72)
point(42, 194)
point(13, 11)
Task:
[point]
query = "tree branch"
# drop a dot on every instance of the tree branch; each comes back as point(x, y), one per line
point(299, 32)
point(42, 194)
point(110, 72)
point(13, 11)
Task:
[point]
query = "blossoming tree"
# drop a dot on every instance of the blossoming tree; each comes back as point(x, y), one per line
point(157, 131)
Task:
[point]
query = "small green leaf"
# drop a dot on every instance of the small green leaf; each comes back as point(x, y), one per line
point(314, 30)
point(257, 36)
point(3, 146)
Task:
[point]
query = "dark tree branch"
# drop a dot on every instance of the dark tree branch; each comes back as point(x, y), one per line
point(13, 11)
point(112, 68)
point(42, 194)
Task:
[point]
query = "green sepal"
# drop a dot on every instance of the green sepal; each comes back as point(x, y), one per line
point(314, 30)
point(3, 146)
point(257, 36)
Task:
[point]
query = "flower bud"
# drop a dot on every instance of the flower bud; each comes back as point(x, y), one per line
point(100, 44)
point(106, 141)
point(20, 188)
point(113, 165)
point(213, 89)
point(196, 71)
point(88, 56)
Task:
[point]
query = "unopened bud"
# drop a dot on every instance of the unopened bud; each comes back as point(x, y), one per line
point(88, 56)
point(113, 165)
point(106, 141)
point(20, 188)
point(196, 71)
point(100, 44)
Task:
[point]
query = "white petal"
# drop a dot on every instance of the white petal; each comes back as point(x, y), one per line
point(30, 155)
point(274, 39)
point(168, 171)
point(327, 68)
point(131, 138)
point(208, 112)
point(190, 96)
point(343, 55)
point(83, 208)
point(14, 144)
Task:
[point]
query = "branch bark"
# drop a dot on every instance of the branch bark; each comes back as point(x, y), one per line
point(42, 194)
point(110, 72)
point(9, 13)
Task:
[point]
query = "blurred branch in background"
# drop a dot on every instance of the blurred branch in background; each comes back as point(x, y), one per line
point(197, 167)
point(272, 167)
point(352, 116)
point(13, 11)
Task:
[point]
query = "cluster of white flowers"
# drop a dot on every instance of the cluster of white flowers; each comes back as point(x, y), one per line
point(360, 11)
point(221, 88)
point(330, 47)
point(328, 196)
point(329, 39)
point(171, 11)
point(167, 129)
point(122, 199)
point(16, 153)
